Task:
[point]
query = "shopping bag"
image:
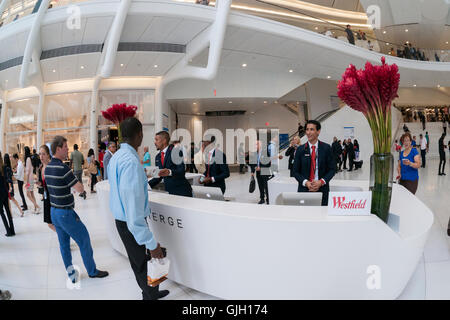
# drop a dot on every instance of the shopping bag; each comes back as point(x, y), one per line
point(252, 185)
point(157, 271)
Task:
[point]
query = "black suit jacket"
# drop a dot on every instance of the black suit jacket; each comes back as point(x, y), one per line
point(327, 167)
point(218, 169)
point(177, 183)
point(290, 152)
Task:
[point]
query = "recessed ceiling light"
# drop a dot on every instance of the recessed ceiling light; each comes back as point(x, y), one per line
point(438, 85)
point(244, 65)
point(252, 112)
point(384, 32)
point(446, 42)
point(328, 77)
point(54, 70)
point(82, 67)
point(317, 28)
point(407, 42)
point(155, 66)
point(387, 43)
point(230, 101)
point(265, 101)
point(406, 30)
point(442, 51)
point(298, 102)
point(195, 103)
point(276, 102)
point(121, 64)
point(199, 114)
point(415, 85)
point(291, 71)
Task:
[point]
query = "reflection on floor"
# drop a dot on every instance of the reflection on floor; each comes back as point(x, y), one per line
point(31, 266)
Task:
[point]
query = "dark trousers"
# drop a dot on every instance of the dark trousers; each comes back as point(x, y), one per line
point(241, 167)
point(93, 181)
point(441, 163)
point(262, 186)
point(338, 162)
point(20, 185)
point(410, 185)
point(351, 159)
point(191, 167)
point(423, 153)
point(138, 260)
point(7, 220)
point(345, 161)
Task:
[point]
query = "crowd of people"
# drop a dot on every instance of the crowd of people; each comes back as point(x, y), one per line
point(406, 51)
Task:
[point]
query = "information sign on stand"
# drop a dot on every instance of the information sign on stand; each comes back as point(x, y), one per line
point(349, 203)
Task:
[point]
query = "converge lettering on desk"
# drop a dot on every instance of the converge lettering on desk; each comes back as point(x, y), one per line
point(232, 310)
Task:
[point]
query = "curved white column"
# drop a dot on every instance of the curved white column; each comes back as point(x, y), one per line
point(214, 37)
point(114, 38)
point(3, 5)
point(40, 117)
point(3, 118)
point(247, 251)
point(33, 37)
point(93, 116)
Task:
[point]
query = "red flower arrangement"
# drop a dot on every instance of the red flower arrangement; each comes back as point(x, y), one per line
point(371, 91)
point(119, 112)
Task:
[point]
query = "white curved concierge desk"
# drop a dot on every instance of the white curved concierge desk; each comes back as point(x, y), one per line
point(247, 251)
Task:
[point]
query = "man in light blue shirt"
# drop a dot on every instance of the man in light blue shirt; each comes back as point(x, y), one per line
point(128, 201)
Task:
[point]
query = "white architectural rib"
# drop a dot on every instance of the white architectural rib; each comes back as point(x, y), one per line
point(114, 38)
point(3, 5)
point(33, 37)
point(214, 36)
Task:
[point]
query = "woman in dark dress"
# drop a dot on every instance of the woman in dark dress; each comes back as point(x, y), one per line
point(4, 203)
point(44, 155)
point(8, 173)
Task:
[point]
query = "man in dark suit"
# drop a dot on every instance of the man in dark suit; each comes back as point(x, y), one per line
point(260, 162)
point(350, 153)
point(290, 152)
point(170, 161)
point(337, 151)
point(314, 164)
point(216, 167)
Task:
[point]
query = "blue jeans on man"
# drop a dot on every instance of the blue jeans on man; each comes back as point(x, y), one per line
point(68, 225)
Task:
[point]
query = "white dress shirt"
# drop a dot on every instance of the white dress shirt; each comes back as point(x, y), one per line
point(20, 170)
point(165, 155)
point(210, 156)
point(316, 174)
point(423, 144)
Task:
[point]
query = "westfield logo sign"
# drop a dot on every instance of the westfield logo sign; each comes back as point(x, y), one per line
point(353, 203)
point(340, 203)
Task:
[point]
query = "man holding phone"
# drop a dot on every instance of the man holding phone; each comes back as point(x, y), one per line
point(128, 201)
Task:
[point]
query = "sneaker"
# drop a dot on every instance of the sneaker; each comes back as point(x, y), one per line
point(5, 295)
point(93, 191)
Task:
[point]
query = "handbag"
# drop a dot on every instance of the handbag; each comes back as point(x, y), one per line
point(252, 186)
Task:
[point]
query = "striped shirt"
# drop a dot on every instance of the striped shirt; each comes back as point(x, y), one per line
point(60, 179)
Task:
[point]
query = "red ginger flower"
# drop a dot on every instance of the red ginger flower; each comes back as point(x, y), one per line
point(119, 112)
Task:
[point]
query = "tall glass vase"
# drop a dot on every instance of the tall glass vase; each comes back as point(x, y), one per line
point(381, 179)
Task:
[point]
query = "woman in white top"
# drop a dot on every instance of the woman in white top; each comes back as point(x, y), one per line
point(29, 179)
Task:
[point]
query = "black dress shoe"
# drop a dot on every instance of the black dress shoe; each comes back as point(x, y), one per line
point(261, 201)
point(10, 234)
point(161, 294)
point(100, 274)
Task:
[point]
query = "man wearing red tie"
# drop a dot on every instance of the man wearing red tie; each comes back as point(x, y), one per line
point(314, 164)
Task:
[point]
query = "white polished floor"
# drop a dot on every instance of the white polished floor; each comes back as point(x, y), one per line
point(31, 266)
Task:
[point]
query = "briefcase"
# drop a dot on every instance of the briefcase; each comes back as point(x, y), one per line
point(252, 185)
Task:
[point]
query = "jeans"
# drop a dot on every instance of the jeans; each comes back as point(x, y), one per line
point(68, 225)
point(79, 175)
